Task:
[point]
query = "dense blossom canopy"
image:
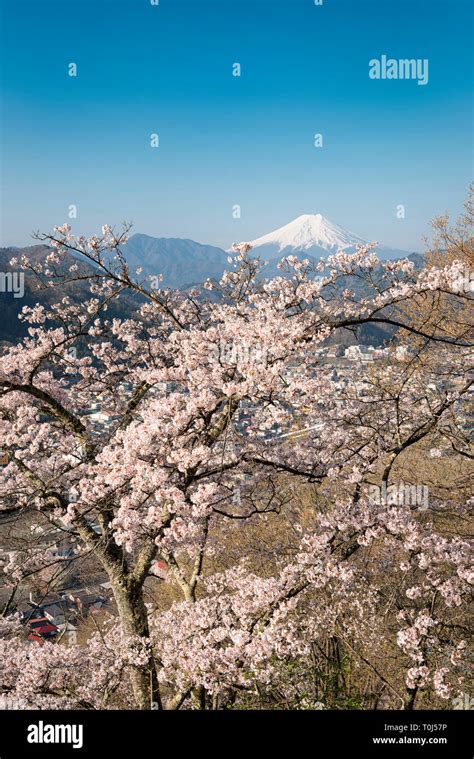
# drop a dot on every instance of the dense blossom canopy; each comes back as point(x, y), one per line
point(176, 476)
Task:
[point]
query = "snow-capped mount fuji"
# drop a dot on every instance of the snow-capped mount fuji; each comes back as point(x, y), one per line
point(312, 235)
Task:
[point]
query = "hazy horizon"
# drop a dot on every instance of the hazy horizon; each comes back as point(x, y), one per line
point(134, 231)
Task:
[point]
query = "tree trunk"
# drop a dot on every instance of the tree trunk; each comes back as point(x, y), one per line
point(410, 701)
point(134, 620)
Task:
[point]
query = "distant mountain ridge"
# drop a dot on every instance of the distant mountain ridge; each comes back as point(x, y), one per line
point(184, 263)
point(181, 262)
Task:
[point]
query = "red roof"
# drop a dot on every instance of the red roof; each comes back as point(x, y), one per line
point(33, 637)
point(44, 629)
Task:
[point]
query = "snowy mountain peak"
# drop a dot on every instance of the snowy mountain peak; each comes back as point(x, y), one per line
point(309, 232)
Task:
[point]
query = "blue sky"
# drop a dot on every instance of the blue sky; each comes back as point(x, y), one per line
point(226, 140)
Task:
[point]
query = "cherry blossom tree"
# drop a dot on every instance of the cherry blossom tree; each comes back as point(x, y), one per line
point(176, 475)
